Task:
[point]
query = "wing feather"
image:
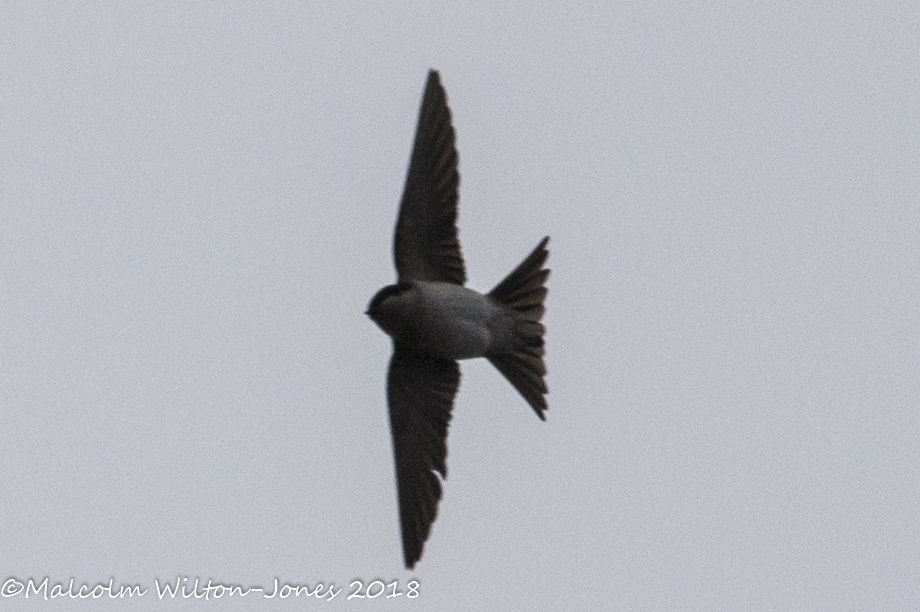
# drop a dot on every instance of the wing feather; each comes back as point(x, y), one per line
point(420, 390)
point(426, 246)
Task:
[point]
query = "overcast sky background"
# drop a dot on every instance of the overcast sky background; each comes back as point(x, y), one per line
point(197, 203)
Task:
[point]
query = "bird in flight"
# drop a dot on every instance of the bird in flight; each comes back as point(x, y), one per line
point(434, 320)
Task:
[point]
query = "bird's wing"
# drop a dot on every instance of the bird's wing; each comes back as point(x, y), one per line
point(426, 246)
point(420, 391)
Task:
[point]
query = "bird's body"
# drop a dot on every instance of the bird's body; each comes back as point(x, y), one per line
point(445, 320)
point(434, 321)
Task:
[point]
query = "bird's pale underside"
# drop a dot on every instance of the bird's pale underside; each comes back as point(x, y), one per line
point(434, 321)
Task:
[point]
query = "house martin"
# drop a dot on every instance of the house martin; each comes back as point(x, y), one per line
point(434, 321)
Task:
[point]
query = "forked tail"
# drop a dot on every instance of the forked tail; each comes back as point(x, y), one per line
point(523, 292)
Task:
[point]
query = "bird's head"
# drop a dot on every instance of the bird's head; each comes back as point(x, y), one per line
point(390, 306)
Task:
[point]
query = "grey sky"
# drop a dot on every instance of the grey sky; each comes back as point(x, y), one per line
point(196, 204)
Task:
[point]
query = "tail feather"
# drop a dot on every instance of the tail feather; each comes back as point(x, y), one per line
point(523, 292)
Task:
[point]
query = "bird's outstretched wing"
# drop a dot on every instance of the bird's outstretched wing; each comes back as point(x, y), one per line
point(420, 390)
point(425, 245)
